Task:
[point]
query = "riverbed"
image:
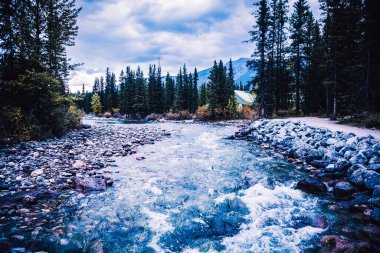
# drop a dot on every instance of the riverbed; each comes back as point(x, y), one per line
point(195, 191)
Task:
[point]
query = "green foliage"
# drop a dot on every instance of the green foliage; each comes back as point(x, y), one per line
point(232, 109)
point(96, 104)
point(371, 120)
point(335, 71)
point(34, 68)
point(203, 95)
point(43, 111)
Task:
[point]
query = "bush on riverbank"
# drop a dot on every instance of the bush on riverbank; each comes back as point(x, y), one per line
point(42, 110)
point(363, 120)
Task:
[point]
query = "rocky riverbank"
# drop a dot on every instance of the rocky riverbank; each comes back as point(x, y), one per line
point(344, 169)
point(36, 177)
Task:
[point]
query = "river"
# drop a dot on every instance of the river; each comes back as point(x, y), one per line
point(195, 191)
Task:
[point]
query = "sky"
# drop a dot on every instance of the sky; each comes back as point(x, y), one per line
point(121, 33)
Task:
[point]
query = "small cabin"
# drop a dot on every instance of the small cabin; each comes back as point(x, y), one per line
point(244, 98)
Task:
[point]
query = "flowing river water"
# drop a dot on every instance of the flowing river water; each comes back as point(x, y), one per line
point(196, 191)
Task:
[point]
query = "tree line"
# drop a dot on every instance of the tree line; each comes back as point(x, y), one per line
point(308, 66)
point(136, 96)
point(34, 67)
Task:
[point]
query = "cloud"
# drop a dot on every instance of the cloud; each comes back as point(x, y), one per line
point(122, 33)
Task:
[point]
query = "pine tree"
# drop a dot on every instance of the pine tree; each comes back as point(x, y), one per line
point(194, 92)
point(203, 95)
point(123, 99)
point(230, 83)
point(299, 27)
point(169, 92)
point(140, 100)
point(259, 36)
point(180, 92)
point(315, 94)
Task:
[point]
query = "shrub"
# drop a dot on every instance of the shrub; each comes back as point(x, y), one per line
point(249, 113)
point(372, 121)
point(171, 115)
point(153, 117)
point(183, 115)
point(364, 120)
point(34, 107)
point(107, 115)
point(219, 114)
point(203, 113)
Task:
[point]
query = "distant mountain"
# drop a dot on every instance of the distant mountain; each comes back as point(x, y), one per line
point(242, 73)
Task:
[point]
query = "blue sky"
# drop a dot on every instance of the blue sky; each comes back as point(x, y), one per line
point(120, 33)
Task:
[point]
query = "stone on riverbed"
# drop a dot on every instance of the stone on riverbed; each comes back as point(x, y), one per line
point(337, 244)
point(37, 172)
point(363, 177)
point(312, 185)
point(343, 189)
point(85, 184)
point(79, 165)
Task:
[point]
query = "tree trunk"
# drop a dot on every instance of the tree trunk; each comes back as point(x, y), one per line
point(298, 81)
point(366, 87)
point(327, 101)
point(335, 93)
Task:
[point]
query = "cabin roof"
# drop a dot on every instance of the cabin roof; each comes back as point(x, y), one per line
point(245, 97)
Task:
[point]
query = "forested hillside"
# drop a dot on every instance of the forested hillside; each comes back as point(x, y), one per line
point(34, 68)
point(136, 96)
point(308, 66)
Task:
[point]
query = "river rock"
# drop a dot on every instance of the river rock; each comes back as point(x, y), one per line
point(343, 189)
point(375, 215)
point(375, 167)
point(311, 185)
point(96, 247)
point(359, 159)
point(79, 165)
point(373, 232)
point(336, 244)
point(40, 181)
point(371, 179)
point(4, 187)
point(84, 184)
point(376, 191)
point(37, 172)
point(314, 155)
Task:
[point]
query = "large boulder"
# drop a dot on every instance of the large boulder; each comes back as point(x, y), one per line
point(311, 185)
point(371, 179)
point(375, 167)
point(375, 215)
point(85, 184)
point(343, 189)
point(363, 177)
point(337, 244)
point(359, 159)
point(314, 155)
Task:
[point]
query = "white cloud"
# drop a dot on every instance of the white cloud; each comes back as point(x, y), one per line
point(136, 32)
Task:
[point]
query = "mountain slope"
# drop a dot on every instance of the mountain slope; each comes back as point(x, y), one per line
point(241, 72)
